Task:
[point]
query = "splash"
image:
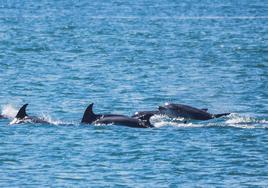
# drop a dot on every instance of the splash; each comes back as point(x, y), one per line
point(9, 111)
point(236, 120)
point(161, 121)
point(52, 121)
point(233, 120)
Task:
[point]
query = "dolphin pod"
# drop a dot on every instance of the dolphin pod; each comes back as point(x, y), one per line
point(140, 119)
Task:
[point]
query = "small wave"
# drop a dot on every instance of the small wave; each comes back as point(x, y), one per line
point(165, 17)
point(161, 18)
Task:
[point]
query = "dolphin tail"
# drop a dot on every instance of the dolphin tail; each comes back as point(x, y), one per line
point(89, 116)
point(22, 112)
point(220, 115)
point(146, 120)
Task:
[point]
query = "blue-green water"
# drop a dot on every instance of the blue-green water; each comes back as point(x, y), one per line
point(59, 56)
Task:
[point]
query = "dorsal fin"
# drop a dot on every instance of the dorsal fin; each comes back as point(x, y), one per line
point(89, 116)
point(146, 119)
point(204, 109)
point(22, 112)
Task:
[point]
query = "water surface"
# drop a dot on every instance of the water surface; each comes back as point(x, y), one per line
point(59, 56)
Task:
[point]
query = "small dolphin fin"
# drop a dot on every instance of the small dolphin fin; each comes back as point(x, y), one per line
point(22, 112)
point(146, 120)
point(220, 115)
point(89, 116)
point(204, 109)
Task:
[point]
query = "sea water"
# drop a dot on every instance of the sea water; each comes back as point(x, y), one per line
point(127, 56)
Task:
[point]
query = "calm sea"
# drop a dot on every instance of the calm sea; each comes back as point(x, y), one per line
point(126, 56)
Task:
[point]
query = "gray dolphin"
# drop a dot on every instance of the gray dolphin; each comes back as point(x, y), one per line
point(153, 112)
point(22, 117)
point(140, 122)
point(187, 112)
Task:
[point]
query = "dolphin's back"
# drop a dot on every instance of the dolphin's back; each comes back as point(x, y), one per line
point(187, 112)
point(194, 113)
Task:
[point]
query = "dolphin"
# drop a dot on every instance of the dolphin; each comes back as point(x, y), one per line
point(153, 112)
point(22, 117)
point(90, 117)
point(187, 112)
point(140, 122)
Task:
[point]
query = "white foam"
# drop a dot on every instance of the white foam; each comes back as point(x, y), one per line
point(160, 121)
point(14, 121)
point(233, 120)
point(237, 119)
